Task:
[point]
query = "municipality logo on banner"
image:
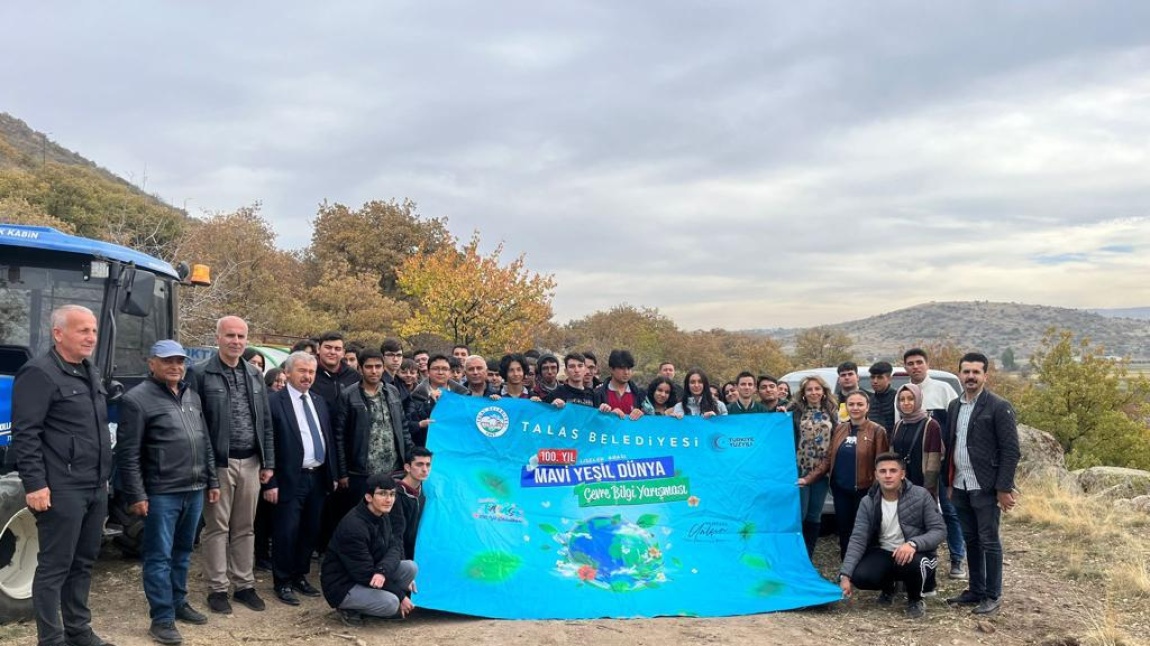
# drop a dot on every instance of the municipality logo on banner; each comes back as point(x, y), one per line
point(596, 516)
point(492, 421)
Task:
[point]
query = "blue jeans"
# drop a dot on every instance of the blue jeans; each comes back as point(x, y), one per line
point(980, 516)
point(954, 540)
point(169, 535)
point(811, 499)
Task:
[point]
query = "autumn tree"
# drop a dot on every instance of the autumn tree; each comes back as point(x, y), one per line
point(1091, 403)
point(352, 303)
point(251, 278)
point(473, 299)
point(374, 240)
point(643, 330)
point(723, 354)
point(822, 346)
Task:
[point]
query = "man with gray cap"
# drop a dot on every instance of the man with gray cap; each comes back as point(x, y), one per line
point(166, 462)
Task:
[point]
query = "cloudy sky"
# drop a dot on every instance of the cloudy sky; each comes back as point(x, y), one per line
point(736, 165)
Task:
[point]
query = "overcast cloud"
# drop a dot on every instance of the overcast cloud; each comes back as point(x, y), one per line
point(736, 165)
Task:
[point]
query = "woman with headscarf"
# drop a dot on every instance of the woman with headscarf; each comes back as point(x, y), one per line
point(918, 439)
point(252, 356)
point(814, 413)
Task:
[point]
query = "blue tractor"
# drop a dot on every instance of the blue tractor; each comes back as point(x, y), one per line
point(134, 297)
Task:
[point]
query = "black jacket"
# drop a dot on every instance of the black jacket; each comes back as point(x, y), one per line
point(882, 407)
point(406, 513)
point(207, 379)
point(60, 436)
point(353, 424)
point(572, 395)
point(162, 443)
point(328, 385)
point(421, 404)
point(362, 546)
point(991, 442)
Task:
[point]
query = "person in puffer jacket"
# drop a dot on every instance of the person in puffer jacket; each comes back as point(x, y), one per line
point(896, 532)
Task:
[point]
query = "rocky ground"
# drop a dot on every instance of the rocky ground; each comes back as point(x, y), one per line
point(1076, 552)
point(1042, 607)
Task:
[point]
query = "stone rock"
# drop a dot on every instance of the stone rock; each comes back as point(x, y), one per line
point(1136, 504)
point(1042, 457)
point(986, 627)
point(1114, 482)
point(1040, 451)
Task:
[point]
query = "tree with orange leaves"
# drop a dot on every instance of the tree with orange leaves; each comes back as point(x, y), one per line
point(469, 298)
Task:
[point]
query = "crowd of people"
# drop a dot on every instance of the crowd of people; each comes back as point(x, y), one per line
point(326, 455)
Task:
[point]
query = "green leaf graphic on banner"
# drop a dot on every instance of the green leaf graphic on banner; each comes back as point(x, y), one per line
point(549, 528)
point(493, 567)
point(675, 562)
point(495, 484)
point(647, 521)
point(754, 560)
point(747, 531)
point(767, 588)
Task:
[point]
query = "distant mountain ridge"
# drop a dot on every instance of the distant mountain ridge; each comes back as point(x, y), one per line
point(1142, 313)
point(987, 327)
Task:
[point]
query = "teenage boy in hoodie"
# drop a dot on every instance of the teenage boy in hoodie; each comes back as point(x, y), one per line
point(574, 390)
point(410, 499)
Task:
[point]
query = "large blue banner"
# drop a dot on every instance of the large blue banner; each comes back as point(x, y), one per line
point(537, 513)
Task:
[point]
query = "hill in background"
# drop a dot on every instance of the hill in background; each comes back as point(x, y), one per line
point(988, 327)
point(44, 183)
point(1141, 313)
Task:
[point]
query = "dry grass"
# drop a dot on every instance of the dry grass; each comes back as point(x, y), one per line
point(1130, 579)
point(1092, 541)
point(1106, 629)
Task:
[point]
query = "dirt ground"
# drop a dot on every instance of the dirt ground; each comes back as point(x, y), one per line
point(1040, 608)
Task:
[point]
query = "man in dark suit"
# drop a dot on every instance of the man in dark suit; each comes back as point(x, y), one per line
point(308, 464)
point(982, 439)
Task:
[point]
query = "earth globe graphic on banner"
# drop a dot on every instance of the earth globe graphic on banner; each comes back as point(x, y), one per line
point(611, 553)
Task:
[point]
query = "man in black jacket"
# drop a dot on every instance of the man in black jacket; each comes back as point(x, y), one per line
point(364, 572)
point(882, 397)
point(982, 437)
point(426, 394)
point(236, 410)
point(64, 455)
point(166, 463)
point(370, 419)
point(332, 374)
